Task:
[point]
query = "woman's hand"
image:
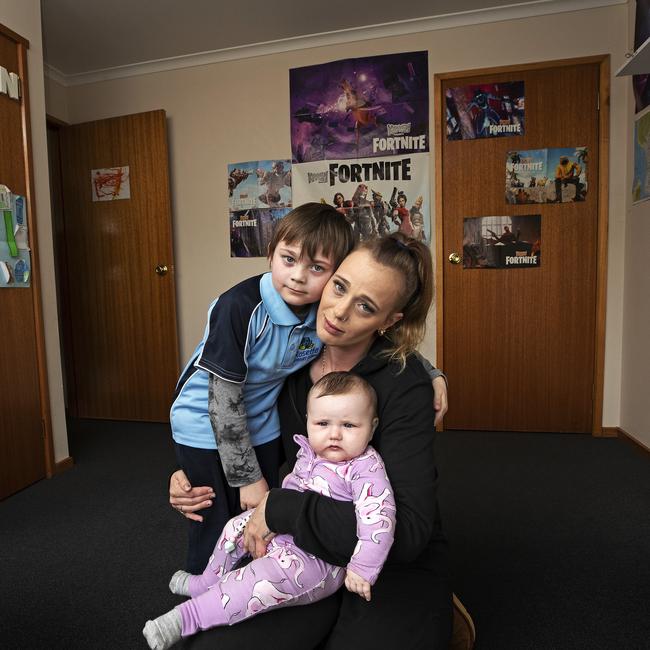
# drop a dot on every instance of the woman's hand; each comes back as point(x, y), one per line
point(251, 495)
point(439, 398)
point(186, 499)
point(257, 534)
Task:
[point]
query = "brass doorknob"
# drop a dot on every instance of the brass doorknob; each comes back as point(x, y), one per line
point(161, 269)
point(454, 258)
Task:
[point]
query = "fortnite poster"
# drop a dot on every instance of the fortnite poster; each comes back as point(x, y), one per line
point(485, 111)
point(503, 242)
point(377, 196)
point(259, 184)
point(641, 182)
point(251, 230)
point(259, 195)
point(546, 175)
point(360, 108)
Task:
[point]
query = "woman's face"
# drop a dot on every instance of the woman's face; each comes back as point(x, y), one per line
point(361, 297)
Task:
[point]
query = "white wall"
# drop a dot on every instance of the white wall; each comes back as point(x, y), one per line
point(24, 18)
point(635, 410)
point(56, 100)
point(238, 111)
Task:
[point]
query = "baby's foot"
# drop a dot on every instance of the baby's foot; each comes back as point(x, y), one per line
point(180, 583)
point(164, 631)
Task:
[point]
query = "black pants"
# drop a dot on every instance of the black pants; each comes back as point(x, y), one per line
point(410, 609)
point(203, 467)
point(567, 181)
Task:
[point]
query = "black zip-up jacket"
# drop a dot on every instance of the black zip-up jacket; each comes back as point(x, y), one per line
point(404, 437)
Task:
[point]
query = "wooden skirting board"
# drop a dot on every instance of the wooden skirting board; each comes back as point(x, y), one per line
point(63, 465)
point(626, 436)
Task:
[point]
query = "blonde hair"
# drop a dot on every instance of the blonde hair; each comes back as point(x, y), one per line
point(412, 260)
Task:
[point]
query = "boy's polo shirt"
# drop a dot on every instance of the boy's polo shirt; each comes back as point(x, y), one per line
point(251, 337)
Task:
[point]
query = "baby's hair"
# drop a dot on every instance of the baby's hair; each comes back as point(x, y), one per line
point(315, 227)
point(342, 383)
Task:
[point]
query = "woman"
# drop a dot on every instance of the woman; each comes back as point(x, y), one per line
point(371, 317)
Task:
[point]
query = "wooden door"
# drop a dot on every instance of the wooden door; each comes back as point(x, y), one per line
point(121, 316)
point(519, 345)
point(25, 429)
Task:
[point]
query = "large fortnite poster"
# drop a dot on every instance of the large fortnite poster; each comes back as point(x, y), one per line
point(376, 195)
point(360, 108)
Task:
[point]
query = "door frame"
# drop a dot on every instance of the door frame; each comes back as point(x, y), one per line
point(603, 210)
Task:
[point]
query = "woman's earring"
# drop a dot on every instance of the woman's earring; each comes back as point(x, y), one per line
point(381, 332)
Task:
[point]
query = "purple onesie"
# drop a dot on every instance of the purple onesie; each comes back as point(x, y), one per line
point(287, 575)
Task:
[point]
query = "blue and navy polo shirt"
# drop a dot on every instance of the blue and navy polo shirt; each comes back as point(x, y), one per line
point(252, 337)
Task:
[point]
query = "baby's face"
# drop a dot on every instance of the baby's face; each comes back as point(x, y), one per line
point(340, 426)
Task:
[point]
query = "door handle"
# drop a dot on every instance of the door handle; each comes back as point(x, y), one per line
point(161, 269)
point(454, 258)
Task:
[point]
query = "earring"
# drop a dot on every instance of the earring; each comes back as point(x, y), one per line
point(381, 332)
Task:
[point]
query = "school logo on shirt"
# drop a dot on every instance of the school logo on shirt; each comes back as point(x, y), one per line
point(307, 349)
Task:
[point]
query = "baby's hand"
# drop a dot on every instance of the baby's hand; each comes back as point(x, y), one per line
point(357, 585)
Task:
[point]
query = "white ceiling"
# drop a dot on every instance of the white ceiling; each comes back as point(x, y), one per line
point(80, 36)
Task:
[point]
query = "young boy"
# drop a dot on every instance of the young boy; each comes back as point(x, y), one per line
point(224, 421)
point(336, 461)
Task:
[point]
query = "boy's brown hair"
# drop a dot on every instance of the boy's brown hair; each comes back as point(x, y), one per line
point(342, 382)
point(316, 227)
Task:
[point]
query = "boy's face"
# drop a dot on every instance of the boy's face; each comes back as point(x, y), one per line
point(300, 281)
point(340, 427)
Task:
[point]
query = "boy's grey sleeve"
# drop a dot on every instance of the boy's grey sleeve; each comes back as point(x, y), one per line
point(228, 420)
point(428, 367)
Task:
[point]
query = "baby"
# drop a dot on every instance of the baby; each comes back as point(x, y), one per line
point(337, 462)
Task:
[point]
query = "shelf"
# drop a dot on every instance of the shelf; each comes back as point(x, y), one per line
point(638, 63)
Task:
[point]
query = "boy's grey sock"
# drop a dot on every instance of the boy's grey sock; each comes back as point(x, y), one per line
point(164, 631)
point(180, 583)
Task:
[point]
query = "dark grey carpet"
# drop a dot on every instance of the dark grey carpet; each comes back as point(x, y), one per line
point(550, 540)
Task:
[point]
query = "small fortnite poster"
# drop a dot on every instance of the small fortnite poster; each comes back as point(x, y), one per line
point(360, 108)
point(641, 182)
point(502, 242)
point(15, 257)
point(376, 195)
point(485, 111)
point(259, 195)
point(259, 184)
point(251, 230)
point(556, 175)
